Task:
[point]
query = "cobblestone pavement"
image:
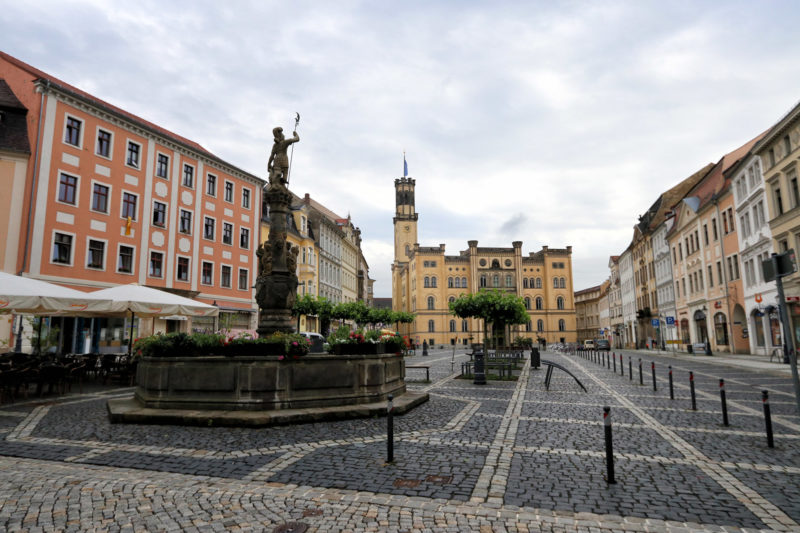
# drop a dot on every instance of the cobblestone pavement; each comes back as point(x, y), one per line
point(507, 456)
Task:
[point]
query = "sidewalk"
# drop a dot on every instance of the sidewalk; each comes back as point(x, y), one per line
point(759, 363)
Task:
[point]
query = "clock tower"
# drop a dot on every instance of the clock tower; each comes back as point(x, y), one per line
point(405, 220)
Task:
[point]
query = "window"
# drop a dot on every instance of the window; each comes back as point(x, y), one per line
point(524, 283)
point(162, 166)
point(134, 152)
point(495, 280)
point(771, 156)
point(207, 273)
point(227, 233)
point(182, 272)
point(538, 283)
point(430, 303)
point(246, 198)
point(733, 267)
point(452, 326)
point(100, 198)
point(72, 134)
point(731, 220)
point(787, 145)
point(483, 280)
point(464, 326)
point(62, 249)
point(714, 228)
point(125, 261)
point(431, 326)
point(540, 325)
point(208, 228)
point(795, 192)
point(464, 283)
point(509, 281)
point(776, 191)
point(228, 191)
point(527, 303)
point(225, 276)
point(528, 326)
point(96, 254)
point(244, 238)
point(562, 283)
point(710, 277)
point(677, 290)
point(539, 303)
point(433, 282)
point(720, 279)
point(450, 283)
point(103, 143)
point(555, 283)
point(560, 303)
point(674, 257)
point(188, 176)
point(67, 189)
point(211, 185)
point(129, 205)
point(159, 214)
point(185, 225)
point(243, 285)
point(156, 265)
point(562, 326)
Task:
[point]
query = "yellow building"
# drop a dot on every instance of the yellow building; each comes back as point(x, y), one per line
point(425, 280)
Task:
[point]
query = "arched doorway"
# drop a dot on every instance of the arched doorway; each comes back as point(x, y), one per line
point(741, 344)
point(721, 329)
point(775, 326)
point(701, 329)
point(685, 331)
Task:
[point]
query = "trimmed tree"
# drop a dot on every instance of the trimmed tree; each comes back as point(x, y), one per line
point(499, 308)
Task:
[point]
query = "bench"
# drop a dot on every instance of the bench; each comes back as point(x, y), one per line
point(504, 368)
point(427, 370)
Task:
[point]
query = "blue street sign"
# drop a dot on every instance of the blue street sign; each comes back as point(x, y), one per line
point(655, 322)
point(670, 320)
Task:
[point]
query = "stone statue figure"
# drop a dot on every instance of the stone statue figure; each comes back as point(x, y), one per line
point(264, 254)
point(278, 164)
point(291, 257)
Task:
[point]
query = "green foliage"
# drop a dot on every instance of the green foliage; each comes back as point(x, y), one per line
point(492, 306)
point(306, 305)
point(199, 344)
point(525, 342)
point(340, 335)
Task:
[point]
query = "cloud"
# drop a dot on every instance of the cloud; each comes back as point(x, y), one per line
point(551, 123)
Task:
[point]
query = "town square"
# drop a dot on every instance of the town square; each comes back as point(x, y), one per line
point(399, 267)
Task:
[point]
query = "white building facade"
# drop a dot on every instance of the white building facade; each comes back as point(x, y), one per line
point(628, 298)
point(755, 245)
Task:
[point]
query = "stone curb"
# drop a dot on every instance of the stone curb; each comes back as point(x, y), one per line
point(129, 411)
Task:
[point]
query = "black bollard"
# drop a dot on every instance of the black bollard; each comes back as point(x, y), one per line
point(390, 430)
point(614, 357)
point(724, 402)
point(767, 418)
point(641, 376)
point(609, 446)
point(671, 390)
point(608, 360)
point(653, 370)
point(691, 387)
point(630, 368)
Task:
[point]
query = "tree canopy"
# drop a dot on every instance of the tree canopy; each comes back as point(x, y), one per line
point(492, 306)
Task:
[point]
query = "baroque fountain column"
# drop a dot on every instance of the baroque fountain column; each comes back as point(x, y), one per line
point(276, 284)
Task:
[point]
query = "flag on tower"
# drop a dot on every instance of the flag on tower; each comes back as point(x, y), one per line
point(405, 166)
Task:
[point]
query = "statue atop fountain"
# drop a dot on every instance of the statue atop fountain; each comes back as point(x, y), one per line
point(276, 283)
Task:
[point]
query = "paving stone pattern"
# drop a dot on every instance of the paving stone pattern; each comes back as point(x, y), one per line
point(508, 456)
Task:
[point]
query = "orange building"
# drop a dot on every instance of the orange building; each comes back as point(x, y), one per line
point(110, 198)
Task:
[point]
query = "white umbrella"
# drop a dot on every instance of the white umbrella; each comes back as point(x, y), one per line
point(22, 295)
point(148, 302)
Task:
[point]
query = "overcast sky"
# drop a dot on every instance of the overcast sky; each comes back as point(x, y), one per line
point(553, 123)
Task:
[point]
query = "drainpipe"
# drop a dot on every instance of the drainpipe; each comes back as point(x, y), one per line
point(715, 199)
point(43, 91)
